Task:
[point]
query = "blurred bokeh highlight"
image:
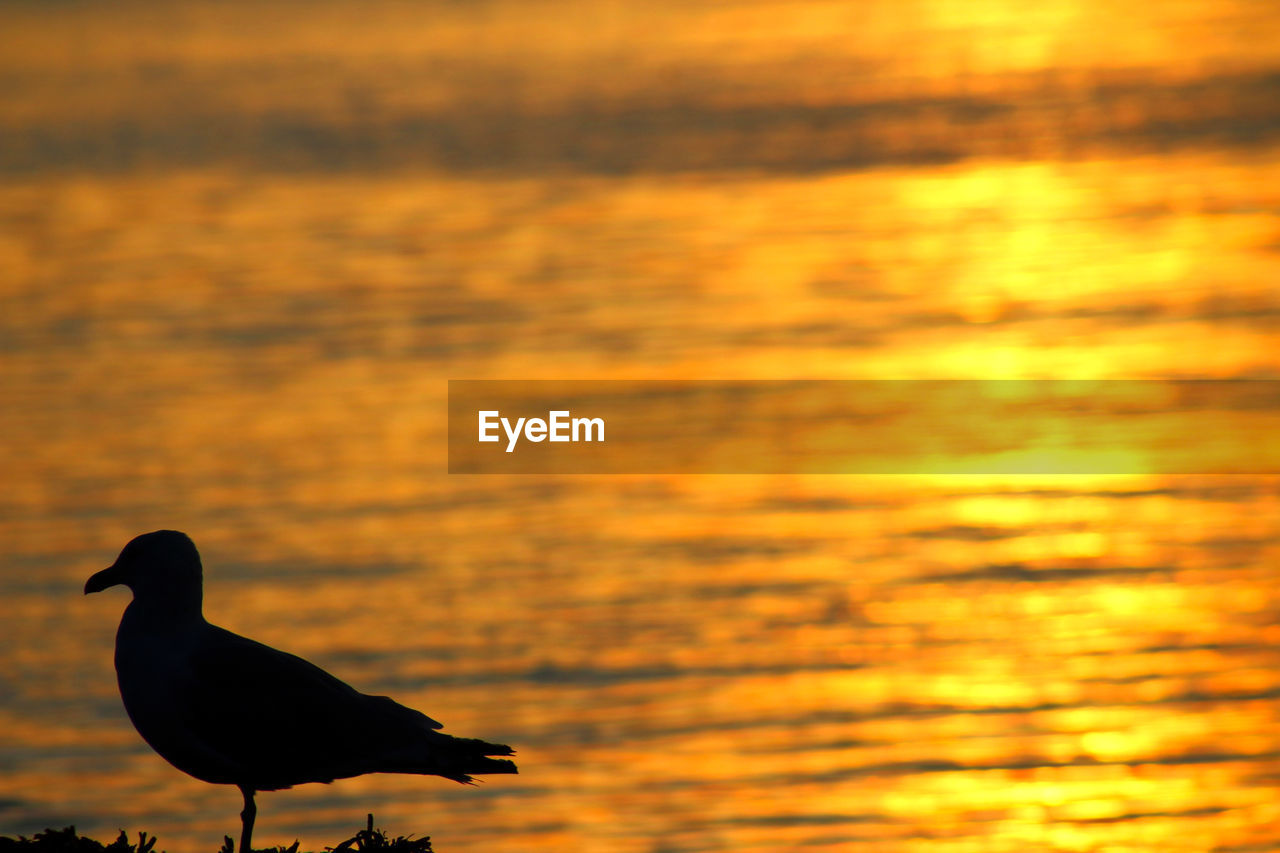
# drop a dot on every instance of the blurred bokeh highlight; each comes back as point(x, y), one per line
point(243, 247)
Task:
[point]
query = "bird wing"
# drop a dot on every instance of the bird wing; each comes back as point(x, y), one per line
point(283, 720)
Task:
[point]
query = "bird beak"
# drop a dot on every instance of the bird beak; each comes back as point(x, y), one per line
point(107, 577)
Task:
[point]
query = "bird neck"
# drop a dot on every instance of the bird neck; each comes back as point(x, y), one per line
point(159, 611)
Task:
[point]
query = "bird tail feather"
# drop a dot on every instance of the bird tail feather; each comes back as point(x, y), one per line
point(457, 758)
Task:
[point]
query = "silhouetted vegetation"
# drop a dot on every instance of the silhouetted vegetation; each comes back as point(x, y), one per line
point(367, 840)
point(67, 841)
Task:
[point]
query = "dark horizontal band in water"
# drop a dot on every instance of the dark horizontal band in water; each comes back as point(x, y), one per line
point(865, 427)
point(165, 121)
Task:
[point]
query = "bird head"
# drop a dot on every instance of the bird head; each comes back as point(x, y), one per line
point(158, 562)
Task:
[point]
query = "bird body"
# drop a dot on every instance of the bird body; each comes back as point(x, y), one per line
point(226, 709)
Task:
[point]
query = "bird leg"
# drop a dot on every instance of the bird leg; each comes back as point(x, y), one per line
point(246, 819)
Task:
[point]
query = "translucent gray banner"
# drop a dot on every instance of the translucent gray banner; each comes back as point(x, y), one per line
point(865, 427)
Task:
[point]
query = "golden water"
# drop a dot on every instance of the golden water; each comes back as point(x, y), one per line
point(243, 247)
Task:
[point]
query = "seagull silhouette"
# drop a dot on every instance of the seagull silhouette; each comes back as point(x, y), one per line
point(229, 710)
